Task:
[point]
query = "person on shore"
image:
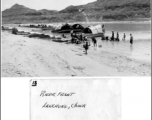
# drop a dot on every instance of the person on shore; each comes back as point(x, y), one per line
point(131, 39)
point(86, 45)
point(72, 36)
point(117, 36)
point(76, 38)
point(124, 37)
point(71, 33)
point(81, 37)
point(94, 41)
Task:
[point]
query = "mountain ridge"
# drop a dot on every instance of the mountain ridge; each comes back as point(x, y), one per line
point(95, 11)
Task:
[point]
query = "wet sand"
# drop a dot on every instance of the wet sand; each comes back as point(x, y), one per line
point(33, 57)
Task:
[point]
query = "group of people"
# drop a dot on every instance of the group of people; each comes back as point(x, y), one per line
point(76, 38)
point(87, 43)
point(124, 37)
point(117, 38)
point(82, 38)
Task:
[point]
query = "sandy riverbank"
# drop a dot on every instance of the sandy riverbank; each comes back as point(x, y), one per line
point(31, 57)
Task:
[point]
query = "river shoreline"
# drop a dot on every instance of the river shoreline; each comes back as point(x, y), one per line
point(33, 57)
point(148, 20)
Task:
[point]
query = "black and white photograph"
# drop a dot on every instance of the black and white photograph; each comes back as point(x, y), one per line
point(76, 38)
point(76, 59)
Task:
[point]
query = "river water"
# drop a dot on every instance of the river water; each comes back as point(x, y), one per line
point(141, 48)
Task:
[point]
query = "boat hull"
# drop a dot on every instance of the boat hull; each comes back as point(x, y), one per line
point(67, 31)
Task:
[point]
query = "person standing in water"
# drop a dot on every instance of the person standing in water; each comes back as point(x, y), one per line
point(103, 31)
point(131, 39)
point(124, 37)
point(117, 36)
point(112, 37)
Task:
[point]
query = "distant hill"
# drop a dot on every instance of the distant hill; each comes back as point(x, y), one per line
point(21, 14)
point(48, 12)
point(113, 9)
point(96, 11)
point(17, 9)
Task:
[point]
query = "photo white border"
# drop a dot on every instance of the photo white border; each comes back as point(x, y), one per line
point(136, 97)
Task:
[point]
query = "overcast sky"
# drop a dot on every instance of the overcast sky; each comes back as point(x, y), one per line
point(44, 4)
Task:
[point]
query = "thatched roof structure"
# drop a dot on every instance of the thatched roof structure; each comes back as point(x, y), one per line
point(78, 26)
point(93, 29)
point(66, 27)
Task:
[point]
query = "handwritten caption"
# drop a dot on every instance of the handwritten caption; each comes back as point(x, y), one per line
point(60, 94)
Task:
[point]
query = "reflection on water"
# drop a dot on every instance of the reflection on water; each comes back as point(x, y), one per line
point(131, 48)
point(112, 43)
point(140, 50)
point(95, 48)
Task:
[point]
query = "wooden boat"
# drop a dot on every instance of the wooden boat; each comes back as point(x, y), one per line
point(94, 35)
point(67, 31)
point(67, 28)
point(22, 33)
point(46, 28)
point(38, 35)
point(7, 28)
